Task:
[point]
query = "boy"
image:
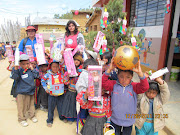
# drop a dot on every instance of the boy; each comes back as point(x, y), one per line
point(24, 76)
point(53, 81)
point(150, 103)
point(124, 96)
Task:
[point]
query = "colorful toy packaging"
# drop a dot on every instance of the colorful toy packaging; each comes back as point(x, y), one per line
point(9, 52)
point(94, 82)
point(104, 45)
point(56, 51)
point(78, 48)
point(40, 40)
point(123, 28)
point(29, 52)
point(69, 62)
point(40, 54)
point(98, 41)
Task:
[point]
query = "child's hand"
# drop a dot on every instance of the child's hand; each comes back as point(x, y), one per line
point(138, 70)
point(146, 74)
point(31, 67)
point(159, 80)
point(112, 66)
point(86, 95)
point(47, 91)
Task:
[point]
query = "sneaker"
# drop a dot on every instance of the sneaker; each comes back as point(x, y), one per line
point(24, 123)
point(49, 124)
point(65, 121)
point(34, 119)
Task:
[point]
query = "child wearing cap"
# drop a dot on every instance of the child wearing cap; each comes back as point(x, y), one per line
point(25, 76)
point(69, 104)
point(53, 83)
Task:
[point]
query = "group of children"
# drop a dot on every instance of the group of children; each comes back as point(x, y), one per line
point(122, 105)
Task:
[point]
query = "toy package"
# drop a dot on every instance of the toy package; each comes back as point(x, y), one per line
point(40, 40)
point(29, 52)
point(9, 52)
point(98, 41)
point(78, 48)
point(17, 56)
point(69, 62)
point(40, 54)
point(158, 73)
point(104, 45)
point(56, 51)
point(94, 82)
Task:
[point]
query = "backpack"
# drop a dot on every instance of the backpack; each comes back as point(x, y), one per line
point(24, 42)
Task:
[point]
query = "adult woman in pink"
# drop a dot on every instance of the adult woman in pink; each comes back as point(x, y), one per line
point(72, 36)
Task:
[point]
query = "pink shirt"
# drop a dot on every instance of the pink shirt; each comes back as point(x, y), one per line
point(71, 41)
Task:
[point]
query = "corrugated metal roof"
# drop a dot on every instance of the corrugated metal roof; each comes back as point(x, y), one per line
point(50, 21)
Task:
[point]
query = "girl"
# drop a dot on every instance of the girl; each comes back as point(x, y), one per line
point(106, 57)
point(72, 36)
point(69, 104)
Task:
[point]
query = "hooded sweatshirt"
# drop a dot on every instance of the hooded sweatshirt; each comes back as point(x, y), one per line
point(124, 99)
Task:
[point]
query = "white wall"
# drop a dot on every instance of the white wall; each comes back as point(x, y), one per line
point(176, 19)
point(151, 31)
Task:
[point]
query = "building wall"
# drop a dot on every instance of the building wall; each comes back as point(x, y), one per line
point(94, 23)
point(153, 35)
point(81, 20)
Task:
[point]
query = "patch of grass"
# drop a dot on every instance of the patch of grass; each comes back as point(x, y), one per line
point(47, 44)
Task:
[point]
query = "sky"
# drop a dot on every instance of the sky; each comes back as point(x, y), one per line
point(19, 9)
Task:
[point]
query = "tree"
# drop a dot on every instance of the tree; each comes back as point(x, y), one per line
point(112, 33)
point(64, 16)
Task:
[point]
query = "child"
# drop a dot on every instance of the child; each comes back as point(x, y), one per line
point(150, 103)
point(91, 54)
point(99, 113)
point(25, 89)
point(82, 85)
point(54, 80)
point(124, 96)
point(42, 95)
point(69, 104)
point(106, 58)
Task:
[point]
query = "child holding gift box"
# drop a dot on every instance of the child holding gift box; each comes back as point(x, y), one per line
point(151, 104)
point(124, 96)
point(82, 85)
point(99, 113)
point(53, 83)
point(25, 76)
point(69, 104)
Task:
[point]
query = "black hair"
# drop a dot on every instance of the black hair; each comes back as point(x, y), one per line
point(47, 55)
point(7, 42)
point(89, 62)
point(14, 41)
point(23, 60)
point(43, 65)
point(67, 29)
point(130, 71)
point(54, 62)
point(108, 56)
point(153, 86)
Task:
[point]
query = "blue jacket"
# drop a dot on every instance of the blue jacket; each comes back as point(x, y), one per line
point(25, 81)
point(29, 42)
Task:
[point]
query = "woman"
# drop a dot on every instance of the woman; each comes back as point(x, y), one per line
point(72, 36)
point(30, 40)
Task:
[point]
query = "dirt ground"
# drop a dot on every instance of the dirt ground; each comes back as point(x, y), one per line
point(8, 114)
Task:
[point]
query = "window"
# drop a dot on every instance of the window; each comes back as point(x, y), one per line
point(147, 12)
point(95, 27)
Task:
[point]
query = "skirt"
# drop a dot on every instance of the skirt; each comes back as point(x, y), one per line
point(69, 105)
point(93, 126)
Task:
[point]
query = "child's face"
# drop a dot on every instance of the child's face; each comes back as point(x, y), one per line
point(24, 64)
point(151, 94)
point(105, 60)
point(77, 63)
point(33, 63)
point(55, 67)
point(44, 68)
point(124, 78)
